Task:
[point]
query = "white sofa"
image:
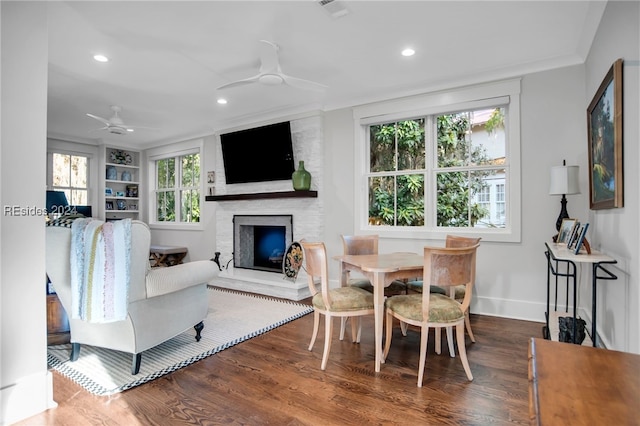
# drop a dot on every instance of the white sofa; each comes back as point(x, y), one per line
point(163, 302)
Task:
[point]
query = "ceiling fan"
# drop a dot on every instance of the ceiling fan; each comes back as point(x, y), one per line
point(114, 125)
point(271, 74)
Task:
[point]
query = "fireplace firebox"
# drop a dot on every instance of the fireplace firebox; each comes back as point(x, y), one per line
point(260, 241)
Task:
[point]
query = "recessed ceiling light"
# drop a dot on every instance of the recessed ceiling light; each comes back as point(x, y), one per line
point(130, 130)
point(100, 58)
point(222, 101)
point(408, 52)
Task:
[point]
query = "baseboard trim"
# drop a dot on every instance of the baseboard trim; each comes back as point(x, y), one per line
point(27, 397)
point(527, 311)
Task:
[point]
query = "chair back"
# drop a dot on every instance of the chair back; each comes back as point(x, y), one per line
point(457, 241)
point(446, 267)
point(360, 244)
point(315, 257)
point(58, 252)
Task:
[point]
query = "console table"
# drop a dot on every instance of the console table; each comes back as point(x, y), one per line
point(558, 254)
point(581, 385)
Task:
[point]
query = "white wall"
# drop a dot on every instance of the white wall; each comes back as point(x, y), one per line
point(616, 231)
point(25, 383)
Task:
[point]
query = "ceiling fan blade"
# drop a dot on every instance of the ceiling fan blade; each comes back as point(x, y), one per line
point(240, 82)
point(269, 57)
point(141, 127)
point(100, 119)
point(300, 83)
point(98, 129)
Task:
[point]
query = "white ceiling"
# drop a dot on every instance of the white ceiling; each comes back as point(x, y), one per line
point(168, 58)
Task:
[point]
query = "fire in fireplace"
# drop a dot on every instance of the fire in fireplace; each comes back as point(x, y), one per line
point(259, 241)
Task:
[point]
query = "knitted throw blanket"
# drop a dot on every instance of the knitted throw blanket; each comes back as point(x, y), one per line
point(100, 256)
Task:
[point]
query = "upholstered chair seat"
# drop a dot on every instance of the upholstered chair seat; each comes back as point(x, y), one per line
point(345, 299)
point(442, 309)
point(396, 286)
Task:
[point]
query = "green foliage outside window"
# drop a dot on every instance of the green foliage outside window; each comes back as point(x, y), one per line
point(178, 179)
point(398, 199)
point(397, 151)
point(456, 190)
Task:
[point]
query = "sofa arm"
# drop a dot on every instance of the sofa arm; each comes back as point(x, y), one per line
point(161, 281)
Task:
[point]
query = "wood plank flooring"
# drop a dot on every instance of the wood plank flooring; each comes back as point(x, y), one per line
point(273, 380)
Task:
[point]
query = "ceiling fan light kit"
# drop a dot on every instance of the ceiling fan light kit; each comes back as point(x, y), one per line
point(271, 79)
point(271, 74)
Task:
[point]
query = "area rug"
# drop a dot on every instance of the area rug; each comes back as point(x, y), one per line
point(232, 318)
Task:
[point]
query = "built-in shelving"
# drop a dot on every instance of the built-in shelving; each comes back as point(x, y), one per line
point(121, 186)
point(262, 195)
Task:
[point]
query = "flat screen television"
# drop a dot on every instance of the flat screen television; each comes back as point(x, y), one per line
point(260, 154)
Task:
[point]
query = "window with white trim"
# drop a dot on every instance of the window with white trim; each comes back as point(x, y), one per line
point(70, 174)
point(176, 192)
point(451, 168)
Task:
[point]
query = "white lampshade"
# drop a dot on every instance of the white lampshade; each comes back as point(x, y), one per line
point(564, 180)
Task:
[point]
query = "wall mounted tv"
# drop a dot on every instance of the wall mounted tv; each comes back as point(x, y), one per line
point(260, 154)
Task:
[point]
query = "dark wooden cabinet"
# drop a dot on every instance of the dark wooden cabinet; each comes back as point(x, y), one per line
point(57, 322)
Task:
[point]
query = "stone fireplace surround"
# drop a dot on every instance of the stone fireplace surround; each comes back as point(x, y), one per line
point(308, 216)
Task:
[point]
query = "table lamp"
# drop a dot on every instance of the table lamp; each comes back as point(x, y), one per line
point(564, 181)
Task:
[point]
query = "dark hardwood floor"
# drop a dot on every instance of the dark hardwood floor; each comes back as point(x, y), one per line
point(273, 379)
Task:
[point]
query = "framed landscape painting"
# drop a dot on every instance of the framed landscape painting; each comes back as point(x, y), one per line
point(604, 118)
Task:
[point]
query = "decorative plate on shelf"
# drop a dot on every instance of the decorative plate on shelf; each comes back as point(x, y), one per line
point(292, 261)
point(120, 157)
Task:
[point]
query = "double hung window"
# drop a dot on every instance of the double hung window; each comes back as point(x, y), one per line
point(70, 174)
point(450, 168)
point(177, 189)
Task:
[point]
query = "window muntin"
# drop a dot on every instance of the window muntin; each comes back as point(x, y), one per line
point(470, 156)
point(177, 180)
point(70, 175)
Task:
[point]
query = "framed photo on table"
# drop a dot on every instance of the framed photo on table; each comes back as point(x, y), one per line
point(565, 230)
point(582, 239)
point(573, 236)
point(604, 129)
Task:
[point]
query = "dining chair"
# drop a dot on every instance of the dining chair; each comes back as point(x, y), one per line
point(342, 302)
point(458, 292)
point(368, 244)
point(446, 268)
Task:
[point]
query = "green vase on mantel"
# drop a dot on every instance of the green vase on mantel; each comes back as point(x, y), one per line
point(301, 178)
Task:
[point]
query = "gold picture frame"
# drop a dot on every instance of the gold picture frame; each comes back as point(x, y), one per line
point(604, 127)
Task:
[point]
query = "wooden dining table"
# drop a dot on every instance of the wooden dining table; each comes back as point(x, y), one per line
point(381, 270)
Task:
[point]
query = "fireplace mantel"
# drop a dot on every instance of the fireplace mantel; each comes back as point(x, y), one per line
point(262, 195)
